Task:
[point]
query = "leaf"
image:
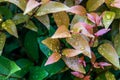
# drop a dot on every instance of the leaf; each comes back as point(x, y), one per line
point(31, 4)
point(74, 64)
point(20, 18)
point(51, 7)
point(69, 2)
point(92, 5)
point(37, 73)
point(107, 51)
point(44, 20)
point(71, 52)
point(53, 58)
point(115, 3)
point(31, 45)
point(58, 17)
point(101, 32)
point(9, 65)
point(78, 42)
point(30, 25)
point(2, 42)
point(52, 44)
point(10, 27)
point(45, 1)
point(61, 32)
point(77, 74)
point(108, 18)
point(117, 43)
point(78, 9)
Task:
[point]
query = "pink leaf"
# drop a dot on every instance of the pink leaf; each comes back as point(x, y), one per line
point(53, 58)
point(31, 5)
point(116, 3)
point(82, 61)
point(77, 74)
point(101, 32)
point(103, 64)
point(80, 10)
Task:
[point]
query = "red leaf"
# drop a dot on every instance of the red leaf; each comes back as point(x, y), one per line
point(80, 10)
point(61, 32)
point(101, 32)
point(53, 58)
point(116, 3)
point(82, 61)
point(77, 74)
point(71, 52)
point(31, 4)
point(95, 18)
point(87, 78)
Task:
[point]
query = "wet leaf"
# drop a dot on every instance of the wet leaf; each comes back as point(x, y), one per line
point(71, 52)
point(78, 42)
point(117, 43)
point(69, 2)
point(44, 20)
point(78, 9)
point(10, 27)
point(58, 17)
point(77, 74)
point(92, 5)
point(31, 4)
point(108, 18)
point(61, 32)
point(107, 51)
point(2, 41)
point(20, 18)
point(51, 7)
point(30, 25)
point(116, 3)
point(53, 58)
point(52, 44)
point(73, 64)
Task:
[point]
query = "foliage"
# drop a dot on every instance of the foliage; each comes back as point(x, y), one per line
point(59, 39)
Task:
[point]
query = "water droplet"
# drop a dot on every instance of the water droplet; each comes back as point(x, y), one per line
point(82, 48)
point(108, 16)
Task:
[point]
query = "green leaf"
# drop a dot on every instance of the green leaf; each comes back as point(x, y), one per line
point(107, 51)
point(8, 65)
point(2, 41)
point(10, 27)
point(44, 20)
point(20, 18)
point(30, 25)
point(47, 52)
point(92, 5)
point(51, 7)
point(117, 43)
point(108, 17)
point(38, 73)
point(31, 45)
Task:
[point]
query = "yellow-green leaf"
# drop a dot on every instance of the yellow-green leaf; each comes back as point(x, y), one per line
point(10, 27)
point(108, 51)
point(78, 42)
point(108, 17)
point(92, 5)
point(2, 41)
point(51, 7)
point(52, 44)
point(30, 25)
point(73, 63)
point(60, 20)
point(61, 32)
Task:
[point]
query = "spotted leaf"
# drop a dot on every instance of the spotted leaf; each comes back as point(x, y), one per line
point(107, 51)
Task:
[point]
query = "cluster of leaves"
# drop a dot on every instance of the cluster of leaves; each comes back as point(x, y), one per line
point(55, 39)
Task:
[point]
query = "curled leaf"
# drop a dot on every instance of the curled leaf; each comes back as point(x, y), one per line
point(77, 74)
point(78, 42)
point(31, 4)
point(53, 58)
point(80, 10)
point(51, 7)
point(52, 44)
point(61, 32)
point(73, 64)
point(60, 20)
point(10, 27)
point(71, 52)
point(107, 51)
